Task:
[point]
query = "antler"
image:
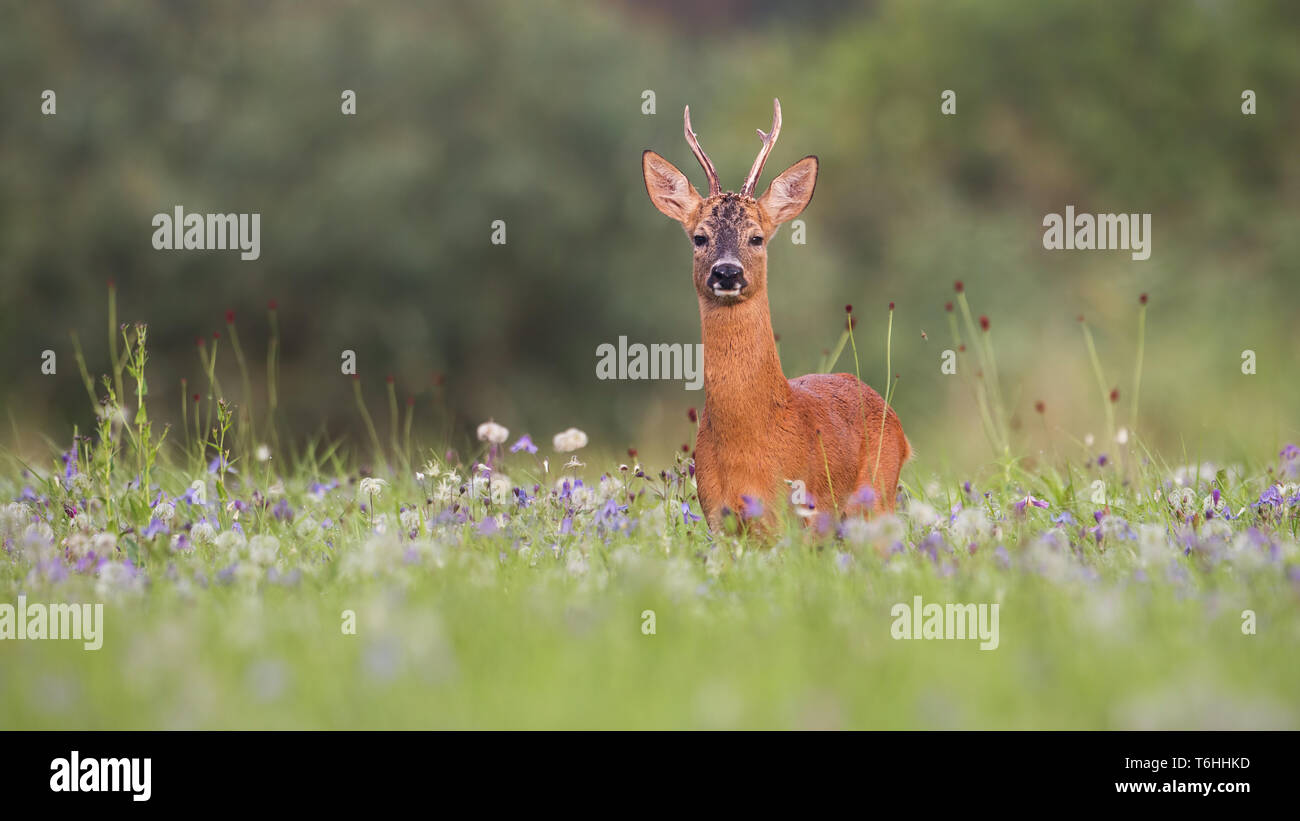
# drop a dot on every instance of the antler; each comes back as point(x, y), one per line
point(769, 140)
point(715, 187)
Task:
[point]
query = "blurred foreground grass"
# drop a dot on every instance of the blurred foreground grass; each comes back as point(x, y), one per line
point(471, 612)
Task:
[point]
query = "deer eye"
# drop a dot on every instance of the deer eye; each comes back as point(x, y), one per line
point(701, 240)
point(756, 240)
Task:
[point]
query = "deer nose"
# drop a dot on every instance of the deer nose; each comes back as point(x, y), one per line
point(726, 276)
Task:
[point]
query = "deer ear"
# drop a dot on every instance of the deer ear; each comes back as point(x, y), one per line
point(668, 188)
point(791, 192)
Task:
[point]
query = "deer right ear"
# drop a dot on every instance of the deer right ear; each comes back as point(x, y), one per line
point(791, 192)
point(668, 188)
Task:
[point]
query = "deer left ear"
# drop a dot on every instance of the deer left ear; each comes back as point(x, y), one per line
point(668, 188)
point(791, 192)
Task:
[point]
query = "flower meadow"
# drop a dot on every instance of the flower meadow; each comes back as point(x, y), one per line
point(542, 582)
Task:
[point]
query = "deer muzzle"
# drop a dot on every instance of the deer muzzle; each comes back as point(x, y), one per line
point(726, 279)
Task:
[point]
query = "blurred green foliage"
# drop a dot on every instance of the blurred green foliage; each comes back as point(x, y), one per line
point(376, 228)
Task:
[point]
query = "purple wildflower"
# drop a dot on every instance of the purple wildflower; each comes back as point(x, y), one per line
point(1272, 496)
point(568, 486)
point(1290, 464)
point(865, 497)
point(752, 507)
point(525, 443)
point(282, 511)
point(687, 515)
point(220, 463)
point(317, 490)
point(1027, 502)
point(930, 547)
point(610, 510)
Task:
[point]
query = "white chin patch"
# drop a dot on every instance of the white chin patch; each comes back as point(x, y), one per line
point(719, 292)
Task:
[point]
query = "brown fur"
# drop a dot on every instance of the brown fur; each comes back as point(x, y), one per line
point(759, 430)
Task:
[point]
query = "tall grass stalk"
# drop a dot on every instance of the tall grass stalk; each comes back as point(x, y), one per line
point(1101, 382)
point(1137, 370)
point(248, 430)
point(392, 421)
point(889, 391)
point(273, 377)
point(988, 375)
point(365, 416)
point(112, 338)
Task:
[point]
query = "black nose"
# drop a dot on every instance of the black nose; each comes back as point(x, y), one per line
point(725, 275)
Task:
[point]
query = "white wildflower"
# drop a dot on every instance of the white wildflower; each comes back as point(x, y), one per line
point(886, 529)
point(446, 490)
point(306, 527)
point(1217, 528)
point(82, 484)
point(262, 549)
point(39, 533)
point(491, 432)
point(856, 530)
point(202, 532)
point(1183, 502)
point(116, 577)
point(922, 515)
point(569, 440)
point(164, 511)
point(410, 520)
point(972, 525)
point(230, 541)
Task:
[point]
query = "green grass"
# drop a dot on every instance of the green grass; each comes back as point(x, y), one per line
point(459, 629)
point(226, 593)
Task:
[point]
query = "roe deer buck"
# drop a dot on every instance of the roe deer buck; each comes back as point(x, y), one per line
point(759, 430)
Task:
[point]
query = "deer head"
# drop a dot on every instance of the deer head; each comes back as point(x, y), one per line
point(730, 231)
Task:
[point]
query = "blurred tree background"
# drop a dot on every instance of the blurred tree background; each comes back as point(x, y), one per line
point(376, 227)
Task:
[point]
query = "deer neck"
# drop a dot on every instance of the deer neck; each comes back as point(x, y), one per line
point(744, 386)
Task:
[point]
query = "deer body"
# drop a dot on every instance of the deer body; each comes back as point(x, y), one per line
point(759, 431)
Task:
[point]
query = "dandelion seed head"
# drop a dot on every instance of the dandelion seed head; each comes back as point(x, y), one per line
point(568, 441)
